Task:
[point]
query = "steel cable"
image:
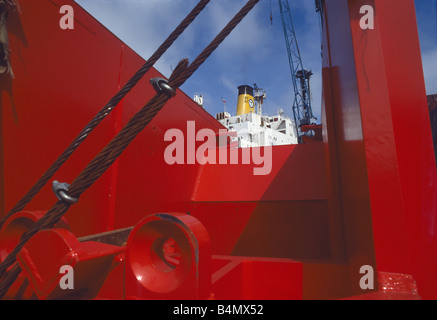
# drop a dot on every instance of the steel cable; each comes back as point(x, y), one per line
point(115, 148)
point(105, 111)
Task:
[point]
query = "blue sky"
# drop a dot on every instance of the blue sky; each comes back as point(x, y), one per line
point(254, 53)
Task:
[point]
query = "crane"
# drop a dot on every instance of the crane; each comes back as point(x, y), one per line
point(302, 111)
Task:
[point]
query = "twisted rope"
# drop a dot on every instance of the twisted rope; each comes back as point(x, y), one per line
point(104, 112)
point(115, 148)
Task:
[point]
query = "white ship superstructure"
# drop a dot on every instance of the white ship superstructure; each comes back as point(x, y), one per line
point(255, 129)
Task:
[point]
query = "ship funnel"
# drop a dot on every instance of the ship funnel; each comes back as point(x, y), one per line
point(246, 102)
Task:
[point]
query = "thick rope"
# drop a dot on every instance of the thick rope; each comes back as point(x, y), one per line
point(115, 148)
point(107, 109)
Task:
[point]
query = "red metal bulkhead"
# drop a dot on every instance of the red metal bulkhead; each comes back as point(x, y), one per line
point(303, 231)
point(378, 143)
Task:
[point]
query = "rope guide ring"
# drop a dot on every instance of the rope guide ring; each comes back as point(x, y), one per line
point(61, 192)
point(162, 86)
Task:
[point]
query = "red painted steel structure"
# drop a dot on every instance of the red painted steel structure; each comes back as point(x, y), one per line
point(363, 196)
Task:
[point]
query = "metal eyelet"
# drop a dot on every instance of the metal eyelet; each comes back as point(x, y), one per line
point(61, 192)
point(161, 86)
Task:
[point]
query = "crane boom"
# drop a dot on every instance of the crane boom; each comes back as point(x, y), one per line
point(302, 110)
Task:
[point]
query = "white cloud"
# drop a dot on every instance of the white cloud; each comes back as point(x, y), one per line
point(144, 25)
point(228, 84)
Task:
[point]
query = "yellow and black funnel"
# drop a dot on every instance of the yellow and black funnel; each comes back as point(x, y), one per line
point(246, 102)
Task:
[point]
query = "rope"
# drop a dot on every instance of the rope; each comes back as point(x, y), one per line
point(107, 109)
point(115, 148)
